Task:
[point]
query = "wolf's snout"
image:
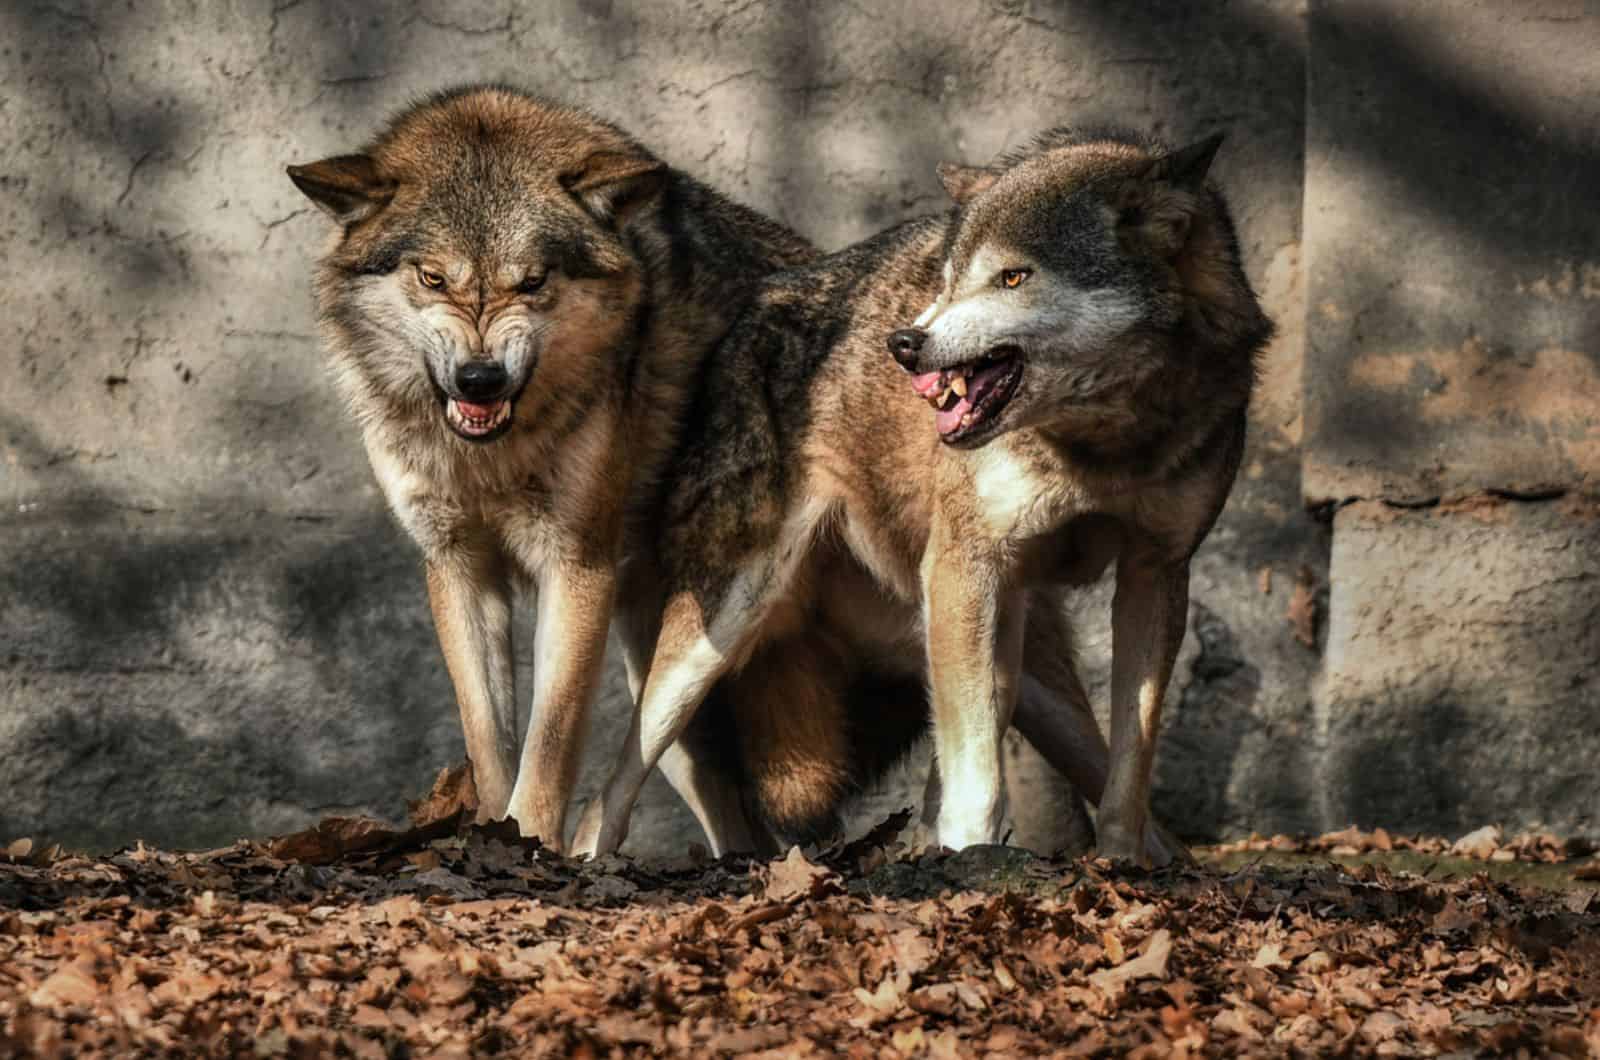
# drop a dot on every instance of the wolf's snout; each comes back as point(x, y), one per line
point(905, 344)
point(481, 380)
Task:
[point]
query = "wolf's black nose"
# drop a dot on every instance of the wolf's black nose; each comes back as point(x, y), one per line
point(905, 343)
point(481, 379)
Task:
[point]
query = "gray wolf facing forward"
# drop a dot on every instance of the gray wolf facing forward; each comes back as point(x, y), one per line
point(517, 299)
point(1086, 337)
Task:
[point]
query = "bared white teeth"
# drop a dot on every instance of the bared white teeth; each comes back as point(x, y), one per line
point(477, 424)
point(952, 387)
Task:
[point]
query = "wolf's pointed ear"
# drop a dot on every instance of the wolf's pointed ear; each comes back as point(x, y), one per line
point(612, 184)
point(1187, 167)
point(1158, 205)
point(965, 183)
point(348, 188)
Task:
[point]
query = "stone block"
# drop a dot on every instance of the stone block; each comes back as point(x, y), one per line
point(1461, 684)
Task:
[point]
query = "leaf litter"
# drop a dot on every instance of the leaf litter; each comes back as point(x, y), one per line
point(445, 939)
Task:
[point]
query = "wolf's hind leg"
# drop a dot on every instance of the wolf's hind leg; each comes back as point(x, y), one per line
point(1071, 742)
point(1055, 716)
point(1053, 711)
point(714, 798)
point(690, 765)
point(1149, 615)
point(691, 654)
point(706, 630)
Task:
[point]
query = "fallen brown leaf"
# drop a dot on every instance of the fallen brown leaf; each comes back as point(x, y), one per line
point(1270, 955)
point(792, 878)
point(1479, 844)
point(1151, 964)
point(71, 984)
point(453, 799)
point(333, 838)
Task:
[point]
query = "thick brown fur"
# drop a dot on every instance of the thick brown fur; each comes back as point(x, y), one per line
point(488, 227)
point(809, 461)
point(793, 731)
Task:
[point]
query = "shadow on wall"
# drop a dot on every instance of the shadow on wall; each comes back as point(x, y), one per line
point(119, 122)
point(189, 682)
point(97, 128)
point(106, 115)
point(1463, 684)
point(1214, 715)
point(1462, 151)
point(1454, 758)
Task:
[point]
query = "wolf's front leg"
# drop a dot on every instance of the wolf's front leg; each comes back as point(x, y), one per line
point(575, 605)
point(975, 627)
point(470, 595)
point(1149, 614)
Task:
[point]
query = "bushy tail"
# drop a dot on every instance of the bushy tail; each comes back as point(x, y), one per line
point(811, 731)
point(788, 704)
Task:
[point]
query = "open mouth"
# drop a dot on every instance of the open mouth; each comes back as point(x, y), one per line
point(970, 397)
point(478, 423)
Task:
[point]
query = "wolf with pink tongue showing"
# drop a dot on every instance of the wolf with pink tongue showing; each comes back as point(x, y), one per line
point(1082, 327)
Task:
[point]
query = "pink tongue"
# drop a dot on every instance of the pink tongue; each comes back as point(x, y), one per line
point(950, 418)
point(926, 383)
point(476, 412)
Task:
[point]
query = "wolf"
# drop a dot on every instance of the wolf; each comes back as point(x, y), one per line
point(1071, 353)
point(517, 299)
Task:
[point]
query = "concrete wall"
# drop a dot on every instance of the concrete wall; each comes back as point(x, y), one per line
point(208, 626)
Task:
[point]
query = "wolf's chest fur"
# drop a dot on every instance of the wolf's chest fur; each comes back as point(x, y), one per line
point(1024, 487)
point(511, 496)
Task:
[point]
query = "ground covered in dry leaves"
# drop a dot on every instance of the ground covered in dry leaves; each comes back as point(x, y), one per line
point(436, 941)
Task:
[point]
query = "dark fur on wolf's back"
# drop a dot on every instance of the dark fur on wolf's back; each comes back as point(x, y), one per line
point(811, 476)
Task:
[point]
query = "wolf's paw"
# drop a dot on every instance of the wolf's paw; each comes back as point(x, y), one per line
point(587, 837)
point(1163, 848)
point(1121, 845)
point(542, 823)
point(969, 818)
point(592, 838)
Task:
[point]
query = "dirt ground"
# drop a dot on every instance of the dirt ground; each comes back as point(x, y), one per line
point(355, 940)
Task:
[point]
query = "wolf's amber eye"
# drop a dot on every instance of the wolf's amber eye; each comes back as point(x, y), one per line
point(429, 278)
point(1012, 278)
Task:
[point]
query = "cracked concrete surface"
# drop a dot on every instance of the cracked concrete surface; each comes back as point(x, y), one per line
point(210, 625)
point(1459, 685)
